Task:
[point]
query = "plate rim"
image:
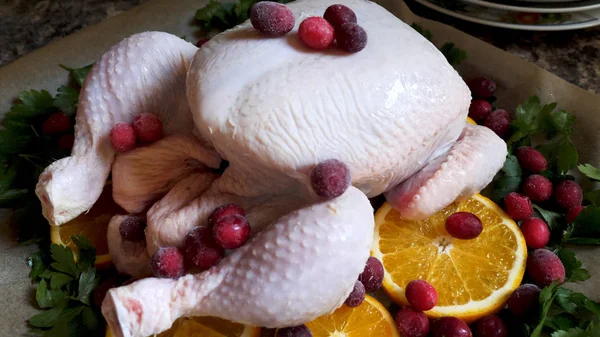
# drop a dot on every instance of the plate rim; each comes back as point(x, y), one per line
point(517, 8)
point(538, 28)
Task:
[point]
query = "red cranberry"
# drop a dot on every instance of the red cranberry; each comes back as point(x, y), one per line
point(225, 210)
point(568, 194)
point(123, 137)
point(271, 18)
point(544, 267)
point(168, 262)
point(56, 123)
point(464, 225)
point(536, 232)
point(231, 232)
point(330, 178)
point(479, 110)
point(412, 323)
point(518, 206)
point(573, 212)
point(482, 87)
point(491, 326)
point(524, 299)
point(148, 127)
point(498, 121)
point(421, 295)
point(450, 327)
point(538, 188)
point(357, 296)
point(200, 248)
point(531, 159)
point(132, 228)
point(372, 276)
point(351, 37)
point(316, 33)
point(337, 15)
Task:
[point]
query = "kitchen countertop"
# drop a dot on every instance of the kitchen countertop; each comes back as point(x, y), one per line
point(26, 25)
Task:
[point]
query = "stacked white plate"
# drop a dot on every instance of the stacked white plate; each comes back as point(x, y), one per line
point(536, 15)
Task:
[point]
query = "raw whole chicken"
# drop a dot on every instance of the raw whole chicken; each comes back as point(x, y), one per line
point(394, 113)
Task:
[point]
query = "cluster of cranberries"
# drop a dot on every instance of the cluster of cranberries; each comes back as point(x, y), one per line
point(59, 123)
point(145, 129)
point(203, 247)
point(482, 90)
point(338, 24)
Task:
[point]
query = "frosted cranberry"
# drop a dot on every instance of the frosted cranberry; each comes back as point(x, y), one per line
point(123, 137)
point(316, 33)
point(479, 110)
point(491, 326)
point(148, 127)
point(202, 41)
point(232, 231)
point(412, 323)
point(294, 331)
point(168, 262)
point(357, 296)
point(498, 121)
point(573, 212)
point(464, 225)
point(132, 228)
point(65, 142)
point(225, 210)
point(56, 123)
point(544, 267)
point(372, 276)
point(271, 18)
point(330, 178)
point(568, 194)
point(537, 187)
point(524, 299)
point(482, 87)
point(200, 248)
point(536, 232)
point(518, 206)
point(351, 37)
point(337, 15)
point(421, 295)
point(450, 327)
point(531, 159)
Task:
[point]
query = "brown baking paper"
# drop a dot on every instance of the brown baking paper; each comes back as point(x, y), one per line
point(516, 78)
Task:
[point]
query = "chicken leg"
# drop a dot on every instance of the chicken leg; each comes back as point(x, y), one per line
point(287, 275)
point(143, 73)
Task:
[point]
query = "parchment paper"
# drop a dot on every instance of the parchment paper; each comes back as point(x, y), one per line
point(517, 80)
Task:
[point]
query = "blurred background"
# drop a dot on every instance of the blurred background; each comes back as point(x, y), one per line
point(562, 36)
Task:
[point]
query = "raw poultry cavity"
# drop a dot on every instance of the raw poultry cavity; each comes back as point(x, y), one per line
point(393, 114)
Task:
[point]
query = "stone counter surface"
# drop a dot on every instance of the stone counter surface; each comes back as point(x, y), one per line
point(26, 25)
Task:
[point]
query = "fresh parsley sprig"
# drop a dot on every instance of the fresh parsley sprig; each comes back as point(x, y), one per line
point(219, 16)
point(64, 290)
point(453, 55)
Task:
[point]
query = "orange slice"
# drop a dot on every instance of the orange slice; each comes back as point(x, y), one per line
point(93, 225)
point(206, 327)
point(471, 121)
point(473, 278)
point(368, 319)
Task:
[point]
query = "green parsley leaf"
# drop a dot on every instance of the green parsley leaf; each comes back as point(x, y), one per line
point(37, 265)
point(574, 332)
point(425, 32)
point(87, 283)
point(550, 217)
point(525, 119)
point(586, 226)
point(33, 103)
point(215, 15)
point(590, 171)
point(12, 143)
point(47, 298)
point(57, 280)
point(562, 121)
point(567, 156)
point(593, 197)
point(64, 260)
point(46, 319)
point(546, 298)
point(78, 74)
point(66, 100)
point(508, 179)
point(89, 319)
point(11, 195)
point(87, 252)
point(573, 266)
point(454, 55)
point(562, 321)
